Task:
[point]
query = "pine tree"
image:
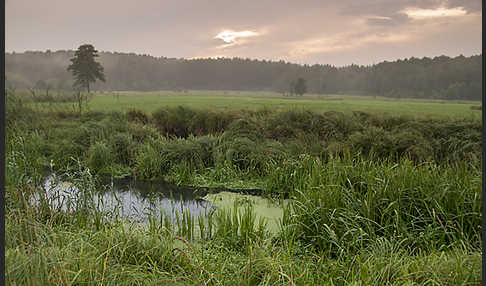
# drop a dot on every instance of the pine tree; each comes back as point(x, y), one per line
point(84, 67)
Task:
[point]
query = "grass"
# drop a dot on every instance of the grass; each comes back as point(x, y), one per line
point(369, 203)
point(233, 100)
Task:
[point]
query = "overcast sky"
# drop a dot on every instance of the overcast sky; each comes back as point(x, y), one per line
point(327, 32)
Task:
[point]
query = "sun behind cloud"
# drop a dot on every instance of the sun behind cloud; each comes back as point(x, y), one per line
point(230, 36)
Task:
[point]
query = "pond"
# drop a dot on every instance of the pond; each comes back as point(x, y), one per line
point(137, 200)
point(131, 199)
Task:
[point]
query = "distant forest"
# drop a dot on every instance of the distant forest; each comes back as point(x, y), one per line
point(438, 78)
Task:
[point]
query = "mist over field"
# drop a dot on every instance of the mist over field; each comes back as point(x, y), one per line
point(434, 78)
point(243, 142)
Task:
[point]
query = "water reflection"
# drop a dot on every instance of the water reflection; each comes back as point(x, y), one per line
point(134, 200)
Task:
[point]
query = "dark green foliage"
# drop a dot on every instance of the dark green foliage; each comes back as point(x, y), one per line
point(208, 122)
point(182, 121)
point(157, 158)
point(206, 144)
point(148, 162)
point(250, 140)
point(53, 97)
point(349, 204)
point(457, 78)
point(300, 86)
point(176, 151)
point(84, 67)
point(174, 121)
point(100, 157)
point(373, 140)
point(353, 219)
point(142, 133)
point(26, 160)
point(93, 116)
point(138, 116)
point(16, 111)
point(288, 124)
point(123, 148)
point(245, 127)
point(67, 152)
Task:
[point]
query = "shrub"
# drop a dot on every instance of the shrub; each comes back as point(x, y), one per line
point(244, 127)
point(173, 121)
point(248, 155)
point(373, 141)
point(182, 150)
point(206, 122)
point(137, 116)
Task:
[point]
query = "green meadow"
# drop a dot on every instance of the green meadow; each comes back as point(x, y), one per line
point(363, 191)
point(238, 100)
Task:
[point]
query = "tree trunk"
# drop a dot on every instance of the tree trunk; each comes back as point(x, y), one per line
point(80, 101)
point(86, 98)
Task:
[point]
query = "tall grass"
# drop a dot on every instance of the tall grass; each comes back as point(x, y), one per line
point(344, 205)
point(370, 203)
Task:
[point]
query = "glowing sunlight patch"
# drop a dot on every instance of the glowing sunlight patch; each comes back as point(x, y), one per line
point(229, 36)
point(416, 13)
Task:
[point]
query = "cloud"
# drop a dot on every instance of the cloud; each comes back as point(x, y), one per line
point(344, 42)
point(417, 13)
point(392, 20)
point(311, 31)
point(232, 38)
point(229, 36)
point(379, 18)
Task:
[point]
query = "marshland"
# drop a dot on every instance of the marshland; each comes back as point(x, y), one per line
point(243, 142)
point(296, 194)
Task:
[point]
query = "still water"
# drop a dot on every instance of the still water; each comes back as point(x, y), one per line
point(137, 200)
point(130, 199)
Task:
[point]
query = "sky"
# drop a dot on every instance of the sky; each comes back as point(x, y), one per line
point(338, 33)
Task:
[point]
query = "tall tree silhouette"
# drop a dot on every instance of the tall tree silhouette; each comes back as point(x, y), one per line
point(84, 67)
point(300, 86)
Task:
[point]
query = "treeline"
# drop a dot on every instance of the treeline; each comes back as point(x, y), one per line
point(439, 77)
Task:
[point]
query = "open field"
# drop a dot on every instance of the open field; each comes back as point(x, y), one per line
point(234, 100)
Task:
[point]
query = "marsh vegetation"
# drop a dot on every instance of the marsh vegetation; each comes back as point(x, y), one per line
point(357, 198)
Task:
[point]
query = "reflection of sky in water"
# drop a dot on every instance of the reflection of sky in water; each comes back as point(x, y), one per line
point(130, 199)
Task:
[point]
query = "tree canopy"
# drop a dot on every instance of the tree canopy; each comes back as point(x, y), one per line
point(438, 78)
point(300, 86)
point(84, 67)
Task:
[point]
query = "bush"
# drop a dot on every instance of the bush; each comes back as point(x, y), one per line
point(373, 141)
point(182, 150)
point(137, 116)
point(173, 121)
point(246, 127)
point(206, 122)
point(248, 155)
